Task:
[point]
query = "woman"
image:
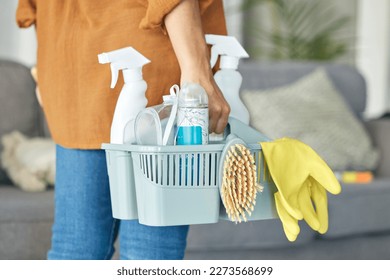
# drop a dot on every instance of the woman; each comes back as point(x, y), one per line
point(79, 106)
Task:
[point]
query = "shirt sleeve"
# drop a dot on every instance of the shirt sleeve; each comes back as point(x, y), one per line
point(26, 13)
point(156, 10)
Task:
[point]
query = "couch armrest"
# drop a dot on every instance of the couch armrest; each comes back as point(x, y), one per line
point(380, 133)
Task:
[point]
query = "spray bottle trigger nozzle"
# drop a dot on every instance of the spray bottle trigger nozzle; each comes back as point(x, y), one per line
point(114, 74)
point(103, 58)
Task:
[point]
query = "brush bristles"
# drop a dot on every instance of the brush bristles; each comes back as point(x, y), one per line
point(239, 183)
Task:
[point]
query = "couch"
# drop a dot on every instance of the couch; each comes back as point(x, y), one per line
point(359, 217)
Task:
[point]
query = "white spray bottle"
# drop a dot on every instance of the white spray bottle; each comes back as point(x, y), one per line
point(228, 78)
point(132, 97)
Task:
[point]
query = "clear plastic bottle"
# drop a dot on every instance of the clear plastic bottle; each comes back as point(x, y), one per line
point(192, 128)
point(192, 116)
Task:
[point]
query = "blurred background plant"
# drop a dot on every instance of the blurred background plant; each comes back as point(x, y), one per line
point(296, 30)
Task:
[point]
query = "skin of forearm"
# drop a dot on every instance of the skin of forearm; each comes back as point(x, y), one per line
point(184, 28)
point(185, 31)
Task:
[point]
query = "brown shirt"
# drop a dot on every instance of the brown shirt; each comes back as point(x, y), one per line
point(75, 88)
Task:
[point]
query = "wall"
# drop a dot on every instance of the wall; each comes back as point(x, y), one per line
point(349, 33)
point(259, 19)
point(15, 44)
point(234, 18)
point(373, 57)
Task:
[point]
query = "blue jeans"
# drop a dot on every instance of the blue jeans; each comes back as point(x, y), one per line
point(83, 224)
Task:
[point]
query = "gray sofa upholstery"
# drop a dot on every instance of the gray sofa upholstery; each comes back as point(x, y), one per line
point(359, 217)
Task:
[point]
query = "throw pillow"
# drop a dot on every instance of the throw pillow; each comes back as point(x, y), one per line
point(313, 111)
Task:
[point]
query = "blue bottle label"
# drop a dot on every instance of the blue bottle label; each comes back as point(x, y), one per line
point(189, 135)
point(192, 129)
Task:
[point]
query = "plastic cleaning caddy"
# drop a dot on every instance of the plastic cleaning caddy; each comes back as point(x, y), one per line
point(164, 198)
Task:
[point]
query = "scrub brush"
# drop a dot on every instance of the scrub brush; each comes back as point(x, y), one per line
point(239, 185)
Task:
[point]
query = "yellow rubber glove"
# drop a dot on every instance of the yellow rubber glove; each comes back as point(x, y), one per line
point(290, 224)
point(316, 219)
point(302, 179)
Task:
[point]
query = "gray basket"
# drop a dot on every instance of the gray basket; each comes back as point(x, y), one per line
point(121, 178)
point(179, 185)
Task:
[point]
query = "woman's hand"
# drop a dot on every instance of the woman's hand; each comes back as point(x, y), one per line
point(184, 27)
point(219, 109)
point(34, 73)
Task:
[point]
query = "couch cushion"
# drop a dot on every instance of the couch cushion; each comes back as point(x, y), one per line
point(19, 109)
point(266, 75)
point(363, 247)
point(19, 206)
point(360, 209)
point(25, 223)
point(380, 132)
point(227, 235)
point(312, 110)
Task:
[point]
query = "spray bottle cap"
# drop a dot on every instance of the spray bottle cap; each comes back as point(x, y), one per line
point(124, 59)
point(229, 49)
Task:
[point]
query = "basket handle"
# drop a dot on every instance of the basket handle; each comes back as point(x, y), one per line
point(247, 133)
point(172, 98)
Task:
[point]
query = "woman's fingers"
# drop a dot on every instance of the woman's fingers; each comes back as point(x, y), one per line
point(219, 111)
